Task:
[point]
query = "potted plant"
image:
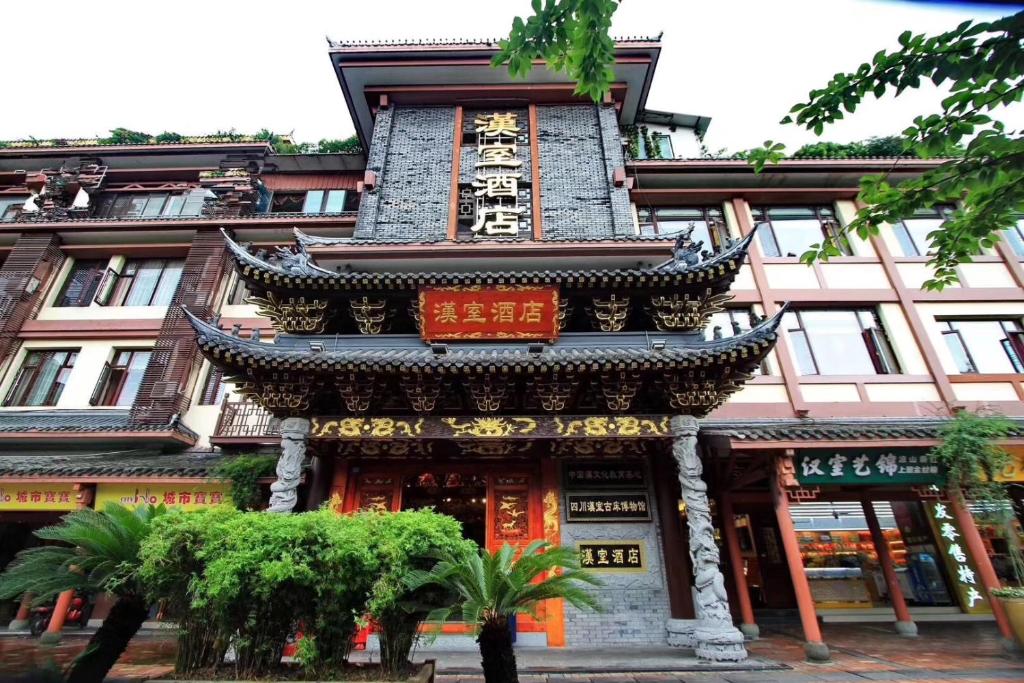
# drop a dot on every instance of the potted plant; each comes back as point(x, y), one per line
point(491, 588)
point(1013, 603)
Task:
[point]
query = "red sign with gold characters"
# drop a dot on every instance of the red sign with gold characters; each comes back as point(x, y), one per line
point(489, 313)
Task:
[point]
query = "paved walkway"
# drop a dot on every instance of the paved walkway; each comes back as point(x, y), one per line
point(860, 652)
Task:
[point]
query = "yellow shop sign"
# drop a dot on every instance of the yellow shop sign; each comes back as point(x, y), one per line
point(30, 496)
point(184, 496)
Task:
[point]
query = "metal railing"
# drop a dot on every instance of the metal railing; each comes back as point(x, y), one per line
point(245, 419)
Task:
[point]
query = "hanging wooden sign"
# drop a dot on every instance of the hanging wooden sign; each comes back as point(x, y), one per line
point(500, 312)
point(612, 506)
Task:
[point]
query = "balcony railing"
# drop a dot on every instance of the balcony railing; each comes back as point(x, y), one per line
point(243, 419)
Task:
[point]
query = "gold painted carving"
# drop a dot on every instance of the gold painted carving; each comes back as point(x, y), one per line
point(697, 394)
point(489, 427)
point(554, 392)
point(675, 313)
point(356, 391)
point(291, 315)
point(551, 516)
point(609, 315)
point(612, 426)
point(619, 389)
point(488, 392)
point(421, 391)
point(370, 314)
point(278, 396)
point(565, 310)
point(354, 427)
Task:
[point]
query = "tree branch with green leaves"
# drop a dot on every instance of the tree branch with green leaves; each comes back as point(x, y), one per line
point(982, 64)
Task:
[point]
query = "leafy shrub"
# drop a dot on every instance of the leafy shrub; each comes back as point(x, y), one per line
point(244, 473)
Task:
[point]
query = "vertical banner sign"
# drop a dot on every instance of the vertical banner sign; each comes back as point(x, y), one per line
point(961, 568)
point(501, 312)
point(496, 188)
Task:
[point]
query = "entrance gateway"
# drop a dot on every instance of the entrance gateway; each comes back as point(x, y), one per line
point(528, 404)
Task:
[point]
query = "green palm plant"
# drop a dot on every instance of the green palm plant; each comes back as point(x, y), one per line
point(98, 552)
point(488, 588)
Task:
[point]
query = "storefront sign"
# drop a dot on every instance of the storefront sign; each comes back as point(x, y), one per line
point(184, 496)
point(902, 466)
point(582, 475)
point(30, 496)
point(499, 312)
point(961, 568)
point(496, 187)
point(612, 556)
point(1014, 470)
point(607, 507)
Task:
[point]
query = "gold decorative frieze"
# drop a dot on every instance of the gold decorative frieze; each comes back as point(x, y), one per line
point(364, 427)
point(489, 427)
point(506, 434)
point(681, 313)
point(696, 393)
point(611, 314)
point(277, 397)
point(618, 425)
point(291, 315)
point(370, 314)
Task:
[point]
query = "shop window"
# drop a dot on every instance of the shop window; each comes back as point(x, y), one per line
point(213, 388)
point(150, 204)
point(985, 346)
point(707, 222)
point(41, 378)
point(10, 207)
point(729, 323)
point(81, 284)
point(141, 282)
point(792, 230)
point(839, 342)
point(120, 378)
point(1015, 236)
point(913, 233)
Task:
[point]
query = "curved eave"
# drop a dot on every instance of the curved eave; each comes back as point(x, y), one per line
point(232, 353)
point(716, 272)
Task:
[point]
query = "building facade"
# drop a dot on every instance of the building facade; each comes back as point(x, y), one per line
point(547, 317)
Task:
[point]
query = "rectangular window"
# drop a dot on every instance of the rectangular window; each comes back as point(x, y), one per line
point(81, 283)
point(324, 201)
point(121, 378)
point(146, 282)
point(10, 206)
point(288, 202)
point(792, 230)
point(839, 342)
point(707, 223)
point(912, 233)
point(213, 388)
point(1015, 236)
point(729, 323)
point(150, 204)
point(41, 378)
point(985, 346)
point(238, 294)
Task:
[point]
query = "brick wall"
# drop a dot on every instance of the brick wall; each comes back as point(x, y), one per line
point(636, 606)
point(411, 153)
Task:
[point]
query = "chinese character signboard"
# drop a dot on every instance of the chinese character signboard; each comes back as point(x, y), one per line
point(959, 565)
point(613, 556)
point(184, 496)
point(607, 507)
point(582, 476)
point(33, 497)
point(499, 312)
point(901, 466)
point(495, 191)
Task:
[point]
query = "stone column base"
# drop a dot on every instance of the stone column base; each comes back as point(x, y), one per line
point(907, 629)
point(50, 637)
point(751, 631)
point(720, 643)
point(817, 652)
point(681, 633)
point(17, 625)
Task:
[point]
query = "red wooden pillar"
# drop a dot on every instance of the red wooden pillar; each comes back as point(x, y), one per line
point(905, 625)
point(976, 547)
point(814, 647)
point(20, 620)
point(60, 611)
point(732, 543)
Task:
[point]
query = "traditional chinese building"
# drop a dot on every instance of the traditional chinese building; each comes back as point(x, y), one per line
point(546, 317)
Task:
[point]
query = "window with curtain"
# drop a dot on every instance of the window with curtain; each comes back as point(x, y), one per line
point(839, 342)
point(792, 230)
point(81, 283)
point(912, 233)
point(121, 378)
point(41, 378)
point(985, 346)
point(147, 282)
point(708, 224)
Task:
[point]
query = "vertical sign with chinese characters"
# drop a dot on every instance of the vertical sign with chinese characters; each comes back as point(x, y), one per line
point(498, 172)
point(498, 312)
point(960, 567)
point(907, 466)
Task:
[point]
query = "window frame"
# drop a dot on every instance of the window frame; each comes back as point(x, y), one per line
point(155, 204)
point(875, 339)
point(106, 396)
point(905, 237)
point(54, 392)
point(1014, 340)
point(214, 388)
point(115, 292)
point(765, 227)
point(96, 274)
point(719, 234)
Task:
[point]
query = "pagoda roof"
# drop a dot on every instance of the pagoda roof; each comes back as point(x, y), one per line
point(392, 354)
point(297, 271)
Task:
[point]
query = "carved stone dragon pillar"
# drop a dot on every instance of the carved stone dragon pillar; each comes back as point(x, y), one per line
point(284, 491)
point(714, 636)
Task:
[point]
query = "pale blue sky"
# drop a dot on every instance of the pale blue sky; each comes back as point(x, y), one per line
point(75, 68)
